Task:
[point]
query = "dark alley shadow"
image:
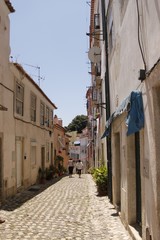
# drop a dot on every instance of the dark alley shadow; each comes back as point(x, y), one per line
point(20, 198)
point(102, 195)
point(115, 214)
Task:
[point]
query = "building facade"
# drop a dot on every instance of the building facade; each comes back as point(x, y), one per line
point(74, 145)
point(78, 148)
point(84, 149)
point(5, 9)
point(61, 142)
point(130, 72)
point(26, 132)
point(96, 94)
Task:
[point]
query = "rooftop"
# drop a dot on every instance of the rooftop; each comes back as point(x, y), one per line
point(9, 5)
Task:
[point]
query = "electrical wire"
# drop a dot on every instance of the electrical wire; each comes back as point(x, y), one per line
point(139, 42)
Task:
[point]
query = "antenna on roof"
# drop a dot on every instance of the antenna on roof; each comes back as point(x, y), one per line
point(38, 68)
point(89, 3)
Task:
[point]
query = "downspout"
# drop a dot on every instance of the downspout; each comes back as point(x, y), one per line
point(107, 93)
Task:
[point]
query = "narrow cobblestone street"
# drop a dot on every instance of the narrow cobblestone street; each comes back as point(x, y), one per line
point(67, 209)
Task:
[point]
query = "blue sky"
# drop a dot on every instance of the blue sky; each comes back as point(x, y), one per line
point(52, 35)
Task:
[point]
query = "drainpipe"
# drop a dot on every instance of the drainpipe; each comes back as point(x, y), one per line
point(107, 93)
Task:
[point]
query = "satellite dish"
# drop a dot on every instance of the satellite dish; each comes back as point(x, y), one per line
point(94, 54)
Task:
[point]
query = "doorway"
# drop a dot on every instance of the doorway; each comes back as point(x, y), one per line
point(0, 169)
point(117, 172)
point(43, 157)
point(52, 153)
point(19, 162)
point(138, 180)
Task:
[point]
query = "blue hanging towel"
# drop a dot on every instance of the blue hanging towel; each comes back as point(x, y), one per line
point(106, 133)
point(135, 117)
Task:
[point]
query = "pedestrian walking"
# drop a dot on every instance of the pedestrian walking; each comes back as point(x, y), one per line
point(70, 167)
point(79, 167)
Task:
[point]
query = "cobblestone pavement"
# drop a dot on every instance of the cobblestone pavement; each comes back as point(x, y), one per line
point(69, 209)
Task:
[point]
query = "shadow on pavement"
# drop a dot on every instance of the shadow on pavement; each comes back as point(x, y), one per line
point(20, 198)
point(115, 214)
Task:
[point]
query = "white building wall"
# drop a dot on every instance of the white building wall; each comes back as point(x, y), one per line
point(16, 128)
point(125, 61)
point(7, 102)
point(83, 152)
point(4, 35)
point(100, 153)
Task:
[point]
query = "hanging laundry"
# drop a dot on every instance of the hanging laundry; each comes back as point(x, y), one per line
point(135, 117)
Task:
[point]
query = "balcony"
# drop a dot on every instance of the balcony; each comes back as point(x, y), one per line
point(98, 81)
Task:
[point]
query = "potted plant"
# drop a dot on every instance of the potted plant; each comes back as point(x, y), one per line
point(42, 175)
point(100, 178)
point(49, 175)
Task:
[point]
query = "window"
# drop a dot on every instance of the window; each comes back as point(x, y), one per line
point(19, 99)
point(47, 116)
point(51, 118)
point(74, 156)
point(33, 155)
point(98, 69)
point(33, 107)
point(94, 94)
point(42, 113)
point(96, 21)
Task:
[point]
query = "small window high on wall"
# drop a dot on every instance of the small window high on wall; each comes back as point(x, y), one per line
point(19, 99)
point(33, 107)
point(42, 113)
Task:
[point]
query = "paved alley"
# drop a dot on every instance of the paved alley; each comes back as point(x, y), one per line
point(67, 209)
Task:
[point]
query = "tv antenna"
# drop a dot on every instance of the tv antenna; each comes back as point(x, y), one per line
point(38, 68)
point(89, 3)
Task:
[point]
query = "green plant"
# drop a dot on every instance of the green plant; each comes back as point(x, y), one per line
point(100, 177)
point(91, 170)
point(58, 160)
point(49, 175)
point(53, 169)
point(59, 164)
point(41, 174)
